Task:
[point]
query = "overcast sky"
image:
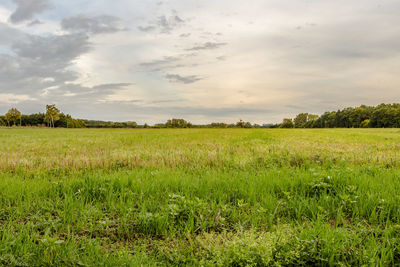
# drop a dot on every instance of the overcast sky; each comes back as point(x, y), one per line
point(148, 61)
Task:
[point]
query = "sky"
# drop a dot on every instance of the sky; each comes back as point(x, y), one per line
point(204, 61)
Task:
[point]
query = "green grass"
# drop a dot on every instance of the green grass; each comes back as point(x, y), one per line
point(208, 197)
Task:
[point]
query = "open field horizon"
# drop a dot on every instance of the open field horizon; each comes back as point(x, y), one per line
point(199, 133)
point(208, 197)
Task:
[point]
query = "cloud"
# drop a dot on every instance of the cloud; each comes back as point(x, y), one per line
point(41, 68)
point(10, 99)
point(164, 24)
point(50, 56)
point(176, 78)
point(9, 35)
point(170, 62)
point(34, 22)
point(146, 28)
point(80, 93)
point(207, 46)
point(39, 62)
point(185, 35)
point(161, 62)
point(27, 9)
point(52, 49)
point(94, 25)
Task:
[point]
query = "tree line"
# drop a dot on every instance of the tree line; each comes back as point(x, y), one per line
point(381, 116)
point(181, 123)
point(52, 118)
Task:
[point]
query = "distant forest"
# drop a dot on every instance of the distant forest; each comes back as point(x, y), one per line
point(381, 116)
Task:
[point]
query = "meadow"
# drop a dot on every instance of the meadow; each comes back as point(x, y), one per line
point(199, 197)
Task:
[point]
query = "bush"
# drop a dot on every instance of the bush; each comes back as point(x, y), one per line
point(365, 124)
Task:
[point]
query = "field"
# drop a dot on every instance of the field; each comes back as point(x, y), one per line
point(208, 197)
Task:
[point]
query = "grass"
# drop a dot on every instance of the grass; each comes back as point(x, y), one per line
point(207, 197)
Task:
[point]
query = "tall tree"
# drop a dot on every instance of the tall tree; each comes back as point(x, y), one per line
point(301, 120)
point(12, 116)
point(287, 123)
point(52, 114)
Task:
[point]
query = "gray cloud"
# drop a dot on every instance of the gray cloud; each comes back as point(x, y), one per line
point(164, 24)
point(176, 78)
point(38, 69)
point(34, 22)
point(185, 35)
point(146, 28)
point(207, 46)
point(80, 93)
point(93, 25)
point(38, 65)
point(53, 52)
point(169, 62)
point(9, 35)
point(161, 62)
point(27, 9)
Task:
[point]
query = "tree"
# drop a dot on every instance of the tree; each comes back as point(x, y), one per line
point(365, 124)
point(243, 124)
point(287, 123)
point(36, 119)
point(311, 120)
point(240, 124)
point(305, 120)
point(12, 116)
point(301, 120)
point(178, 123)
point(2, 122)
point(52, 115)
point(248, 125)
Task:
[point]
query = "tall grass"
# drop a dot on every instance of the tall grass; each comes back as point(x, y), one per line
point(199, 197)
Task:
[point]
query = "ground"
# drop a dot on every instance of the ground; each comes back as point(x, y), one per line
point(208, 197)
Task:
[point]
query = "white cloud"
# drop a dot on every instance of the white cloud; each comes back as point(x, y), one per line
point(11, 99)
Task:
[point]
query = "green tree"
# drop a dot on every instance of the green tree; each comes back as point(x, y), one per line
point(52, 115)
point(365, 124)
point(218, 125)
point(311, 120)
point(243, 124)
point(248, 125)
point(36, 119)
point(178, 123)
point(240, 124)
point(301, 120)
point(287, 123)
point(13, 116)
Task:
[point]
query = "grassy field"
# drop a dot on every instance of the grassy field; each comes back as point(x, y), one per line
point(209, 197)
